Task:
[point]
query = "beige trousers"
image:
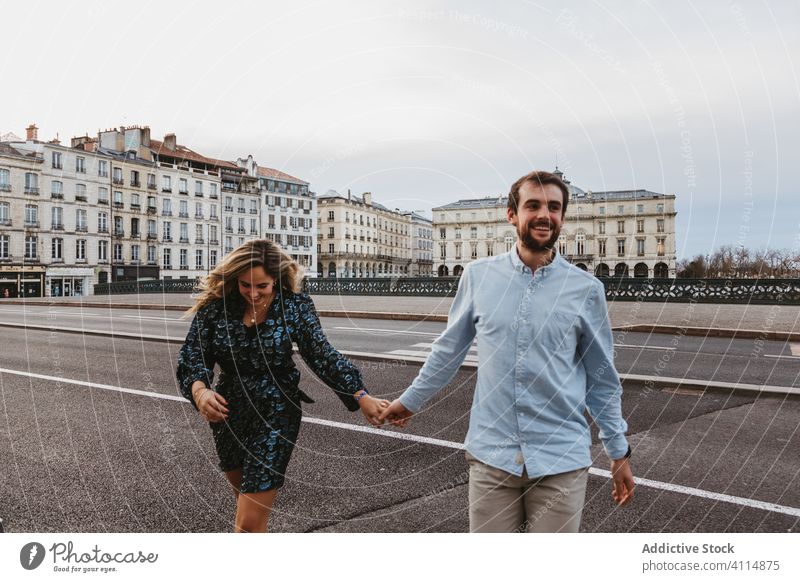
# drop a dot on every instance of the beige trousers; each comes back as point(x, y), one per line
point(500, 502)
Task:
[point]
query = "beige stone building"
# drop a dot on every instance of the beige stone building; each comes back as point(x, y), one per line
point(613, 233)
point(358, 237)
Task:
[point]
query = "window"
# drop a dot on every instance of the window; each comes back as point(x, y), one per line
point(253, 227)
point(640, 247)
point(102, 168)
point(458, 234)
point(166, 259)
point(660, 225)
point(580, 244)
point(80, 165)
point(330, 248)
point(213, 193)
point(56, 189)
point(166, 184)
point(184, 232)
point(31, 183)
point(228, 204)
point(118, 253)
point(57, 161)
point(212, 259)
point(212, 232)
point(57, 218)
point(135, 179)
point(80, 220)
point(31, 215)
point(620, 227)
point(443, 250)
point(183, 186)
point(620, 209)
point(473, 232)
point(57, 249)
point(640, 208)
point(135, 256)
point(119, 228)
point(184, 258)
point(241, 204)
point(80, 192)
point(5, 180)
point(660, 208)
point(330, 215)
point(118, 203)
point(4, 239)
point(198, 210)
point(490, 249)
point(601, 247)
point(116, 177)
point(213, 211)
point(135, 200)
point(562, 245)
point(30, 247)
point(102, 250)
point(102, 195)
point(151, 229)
point(660, 247)
point(198, 233)
point(151, 181)
point(5, 213)
point(473, 250)
point(254, 207)
point(640, 226)
point(198, 259)
point(184, 209)
point(458, 251)
point(102, 222)
point(80, 249)
point(198, 188)
point(601, 210)
point(135, 228)
point(166, 207)
point(167, 227)
point(620, 247)
point(601, 227)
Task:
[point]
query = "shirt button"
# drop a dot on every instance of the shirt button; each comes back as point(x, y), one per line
point(519, 460)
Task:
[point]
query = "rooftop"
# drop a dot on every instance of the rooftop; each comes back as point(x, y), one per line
point(273, 174)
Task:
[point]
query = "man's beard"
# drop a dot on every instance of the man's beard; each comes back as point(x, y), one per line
point(532, 244)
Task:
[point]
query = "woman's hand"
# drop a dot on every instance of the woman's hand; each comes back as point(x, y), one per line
point(212, 406)
point(371, 408)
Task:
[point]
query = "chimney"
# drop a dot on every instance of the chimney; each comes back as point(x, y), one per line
point(146, 136)
point(368, 198)
point(348, 193)
point(33, 132)
point(170, 142)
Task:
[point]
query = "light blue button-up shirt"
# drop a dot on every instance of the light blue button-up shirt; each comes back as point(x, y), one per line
point(545, 354)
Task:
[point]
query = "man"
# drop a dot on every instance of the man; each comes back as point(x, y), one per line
point(545, 353)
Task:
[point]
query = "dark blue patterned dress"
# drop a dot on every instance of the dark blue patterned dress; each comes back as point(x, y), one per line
point(259, 380)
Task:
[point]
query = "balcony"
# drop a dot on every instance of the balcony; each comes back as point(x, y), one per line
point(152, 186)
point(253, 211)
point(199, 216)
point(184, 239)
point(166, 238)
point(102, 229)
point(135, 206)
point(136, 235)
point(81, 228)
point(166, 188)
point(5, 222)
point(229, 229)
point(152, 210)
point(118, 181)
point(57, 260)
point(241, 210)
point(213, 241)
point(183, 215)
point(5, 187)
point(242, 231)
point(57, 226)
point(228, 209)
point(6, 259)
point(198, 194)
point(136, 184)
point(152, 236)
point(184, 267)
point(31, 224)
point(80, 198)
point(183, 192)
point(31, 190)
point(166, 213)
point(119, 233)
point(57, 195)
point(213, 196)
point(103, 201)
point(135, 262)
point(199, 241)
point(117, 204)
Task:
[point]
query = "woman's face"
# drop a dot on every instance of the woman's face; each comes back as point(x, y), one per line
point(256, 286)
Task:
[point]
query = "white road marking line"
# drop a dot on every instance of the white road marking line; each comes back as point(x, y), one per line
point(93, 385)
point(782, 357)
point(795, 349)
point(473, 348)
point(691, 491)
point(643, 347)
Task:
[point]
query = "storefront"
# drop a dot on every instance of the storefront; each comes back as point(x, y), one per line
point(21, 282)
point(69, 282)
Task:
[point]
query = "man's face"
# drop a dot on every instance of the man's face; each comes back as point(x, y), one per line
point(539, 216)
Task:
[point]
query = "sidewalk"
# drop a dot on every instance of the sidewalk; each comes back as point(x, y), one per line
point(765, 322)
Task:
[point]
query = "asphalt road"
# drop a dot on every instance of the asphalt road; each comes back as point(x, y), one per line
point(78, 457)
point(748, 361)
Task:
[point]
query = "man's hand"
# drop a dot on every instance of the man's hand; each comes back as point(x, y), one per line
point(371, 409)
point(396, 414)
point(622, 476)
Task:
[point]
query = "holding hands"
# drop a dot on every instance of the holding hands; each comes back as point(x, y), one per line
point(377, 411)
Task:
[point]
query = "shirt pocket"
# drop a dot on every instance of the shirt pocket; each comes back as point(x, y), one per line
point(558, 331)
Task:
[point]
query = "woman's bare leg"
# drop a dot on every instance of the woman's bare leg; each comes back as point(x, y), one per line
point(252, 511)
point(235, 479)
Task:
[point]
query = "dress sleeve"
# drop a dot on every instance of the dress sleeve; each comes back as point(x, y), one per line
point(195, 358)
point(332, 367)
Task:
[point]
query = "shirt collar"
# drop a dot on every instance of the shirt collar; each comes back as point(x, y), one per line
point(557, 262)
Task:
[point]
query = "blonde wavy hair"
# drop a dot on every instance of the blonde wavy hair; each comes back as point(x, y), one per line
point(254, 253)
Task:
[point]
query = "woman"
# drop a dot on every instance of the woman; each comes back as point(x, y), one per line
point(246, 317)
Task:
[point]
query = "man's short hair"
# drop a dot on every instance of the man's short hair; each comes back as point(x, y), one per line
point(538, 179)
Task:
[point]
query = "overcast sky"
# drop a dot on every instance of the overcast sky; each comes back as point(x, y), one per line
point(437, 101)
